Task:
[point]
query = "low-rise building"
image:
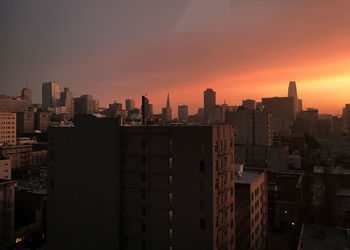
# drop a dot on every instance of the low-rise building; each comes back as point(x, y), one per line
point(5, 168)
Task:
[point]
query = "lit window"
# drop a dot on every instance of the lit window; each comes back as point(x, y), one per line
point(170, 233)
point(170, 162)
point(170, 198)
point(170, 180)
point(170, 216)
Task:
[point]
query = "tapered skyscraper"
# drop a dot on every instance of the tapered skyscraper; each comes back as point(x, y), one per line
point(292, 92)
point(166, 112)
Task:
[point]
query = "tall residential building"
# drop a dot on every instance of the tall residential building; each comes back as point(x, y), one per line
point(8, 129)
point(50, 95)
point(25, 122)
point(209, 102)
point(253, 127)
point(66, 100)
point(7, 213)
point(85, 104)
point(292, 92)
point(166, 112)
point(251, 188)
point(129, 104)
point(26, 95)
point(140, 187)
point(249, 104)
point(282, 110)
point(183, 112)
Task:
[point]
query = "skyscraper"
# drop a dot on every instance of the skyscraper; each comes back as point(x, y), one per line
point(85, 104)
point(26, 95)
point(183, 112)
point(166, 112)
point(209, 102)
point(129, 104)
point(66, 99)
point(50, 95)
point(249, 104)
point(292, 92)
point(146, 109)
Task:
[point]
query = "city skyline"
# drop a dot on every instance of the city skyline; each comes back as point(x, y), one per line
point(157, 58)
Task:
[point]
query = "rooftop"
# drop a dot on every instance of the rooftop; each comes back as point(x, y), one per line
point(323, 238)
point(248, 176)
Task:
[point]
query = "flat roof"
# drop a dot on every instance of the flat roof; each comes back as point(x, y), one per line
point(248, 176)
point(323, 238)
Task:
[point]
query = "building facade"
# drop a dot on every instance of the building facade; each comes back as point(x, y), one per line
point(50, 95)
point(183, 113)
point(8, 130)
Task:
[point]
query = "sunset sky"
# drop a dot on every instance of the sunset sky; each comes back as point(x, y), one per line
point(124, 49)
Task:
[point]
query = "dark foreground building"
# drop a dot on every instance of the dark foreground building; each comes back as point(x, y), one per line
point(140, 187)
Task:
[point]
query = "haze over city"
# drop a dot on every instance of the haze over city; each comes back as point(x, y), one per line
point(125, 49)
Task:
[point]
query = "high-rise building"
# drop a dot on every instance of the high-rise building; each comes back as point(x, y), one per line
point(85, 104)
point(7, 213)
point(166, 112)
point(292, 92)
point(249, 104)
point(50, 95)
point(26, 95)
point(42, 120)
point(169, 187)
point(282, 110)
point(8, 129)
point(251, 188)
point(253, 127)
point(25, 122)
point(183, 112)
point(300, 105)
point(146, 110)
point(217, 114)
point(129, 104)
point(66, 100)
point(209, 102)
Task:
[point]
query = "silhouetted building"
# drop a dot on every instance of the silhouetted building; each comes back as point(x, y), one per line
point(169, 187)
point(26, 95)
point(251, 188)
point(346, 115)
point(7, 213)
point(282, 110)
point(166, 112)
point(249, 104)
point(129, 104)
point(42, 120)
point(146, 109)
point(16, 103)
point(5, 168)
point(66, 99)
point(183, 112)
point(50, 95)
point(85, 104)
point(292, 92)
point(209, 102)
point(25, 122)
point(300, 105)
point(8, 130)
point(217, 114)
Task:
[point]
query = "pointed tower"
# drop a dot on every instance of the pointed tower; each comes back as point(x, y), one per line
point(166, 112)
point(168, 102)
point(292, 92)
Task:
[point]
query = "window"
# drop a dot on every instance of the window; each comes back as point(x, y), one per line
point(143, 244)
point(143, 177)
point(202, 224)
point(144, 160)
point(202, 166)
point(171, 233)
point(170, 162)
point(170, 198)
point(170, 180)
point(170, 145)
point(231, 224)
point(231, 207)
point(170, 216)
point(143, 227)
point(202, 204)
point(143, 211)
point(143, 194)
point(231, 191)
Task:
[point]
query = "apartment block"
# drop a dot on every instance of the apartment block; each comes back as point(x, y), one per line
point(8, 128)
point(155, 187)
point(251, 188)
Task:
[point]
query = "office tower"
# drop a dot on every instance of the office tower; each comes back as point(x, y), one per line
point(339, 126)
point(146, 109)
point(209, 102)
point(251, 193)
point(7, 213)
point(166, 112)
point(292, 92)
point(66, 100)
point(346, 115)
point(183, 112)
point(217, 114)
point(282, 110)
point(115, 106)
point(140, 187)
point(8, 129)
point(5, 168)
point(249, 104)
point(42, 120)
point(26, 95)
point(129, 104)
point(25, 122)
point(85, 104)
point(253, 127)
point(50, 95)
